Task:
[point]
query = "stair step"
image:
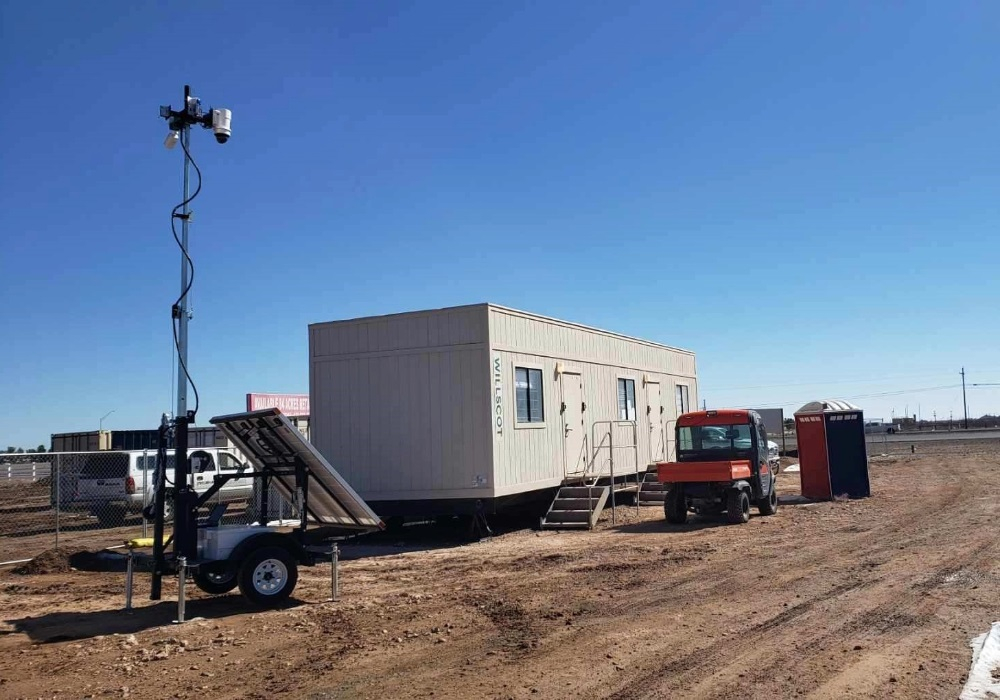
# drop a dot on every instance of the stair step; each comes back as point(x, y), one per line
point(587, 504)
point(568, 516)
point(653, 499)
point(565, 526)
point(580, 492)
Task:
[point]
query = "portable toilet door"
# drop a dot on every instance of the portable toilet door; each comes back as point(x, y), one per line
point(848, 454)
point(814, 463)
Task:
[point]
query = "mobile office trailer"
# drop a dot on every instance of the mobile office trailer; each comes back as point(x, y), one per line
point(429, 412)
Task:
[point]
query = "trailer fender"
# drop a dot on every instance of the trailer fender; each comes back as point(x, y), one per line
point(269, 539)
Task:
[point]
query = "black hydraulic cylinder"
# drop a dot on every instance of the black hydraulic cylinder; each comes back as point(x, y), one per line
point(159, 495)
point(185, 499)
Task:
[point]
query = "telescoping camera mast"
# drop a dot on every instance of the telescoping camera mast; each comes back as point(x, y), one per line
point(260, 557)
point(180, 123)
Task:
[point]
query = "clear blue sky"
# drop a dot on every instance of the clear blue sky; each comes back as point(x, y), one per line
point(807, 195)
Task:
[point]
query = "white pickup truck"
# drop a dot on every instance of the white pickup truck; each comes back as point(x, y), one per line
point(112, 484)
point(877, 426)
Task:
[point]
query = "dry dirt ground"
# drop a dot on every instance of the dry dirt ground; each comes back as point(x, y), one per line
point(870, 598)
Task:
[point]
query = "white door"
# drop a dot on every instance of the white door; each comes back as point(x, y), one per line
point(575, 437)
point(654, 414)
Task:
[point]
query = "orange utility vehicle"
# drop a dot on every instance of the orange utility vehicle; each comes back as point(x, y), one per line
point(722, 465)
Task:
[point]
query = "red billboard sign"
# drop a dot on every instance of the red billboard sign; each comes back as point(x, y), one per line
point(289, 404)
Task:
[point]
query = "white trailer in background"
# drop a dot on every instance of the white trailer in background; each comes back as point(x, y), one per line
point(480, 407)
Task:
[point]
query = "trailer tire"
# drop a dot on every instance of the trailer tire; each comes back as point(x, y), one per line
point(675, 506)
point(267, 576)
point(216, 582)
point(737, 507)
point(769, 505)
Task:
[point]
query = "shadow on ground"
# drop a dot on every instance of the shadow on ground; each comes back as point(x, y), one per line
point(68, 626)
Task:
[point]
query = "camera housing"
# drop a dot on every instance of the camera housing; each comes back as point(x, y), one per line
point(222, 124)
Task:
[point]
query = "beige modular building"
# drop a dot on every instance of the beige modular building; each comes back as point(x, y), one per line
point(429, 412)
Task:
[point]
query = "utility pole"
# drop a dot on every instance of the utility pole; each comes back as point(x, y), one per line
point(964, 404)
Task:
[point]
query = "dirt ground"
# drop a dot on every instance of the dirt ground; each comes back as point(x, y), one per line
point(870, 598)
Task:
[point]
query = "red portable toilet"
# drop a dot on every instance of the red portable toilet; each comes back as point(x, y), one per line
point(833, 454)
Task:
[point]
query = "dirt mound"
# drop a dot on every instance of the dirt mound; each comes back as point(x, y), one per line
point(51, 561)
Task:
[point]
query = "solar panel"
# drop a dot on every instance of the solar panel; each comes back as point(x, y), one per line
point(269, 439)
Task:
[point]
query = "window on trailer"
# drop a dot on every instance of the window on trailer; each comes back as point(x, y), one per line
point(528, 387)
point(626, 399)
point(682, 399)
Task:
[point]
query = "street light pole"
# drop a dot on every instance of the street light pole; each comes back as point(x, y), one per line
point(100, 424)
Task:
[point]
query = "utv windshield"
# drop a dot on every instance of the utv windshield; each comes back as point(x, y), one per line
point(714, 442)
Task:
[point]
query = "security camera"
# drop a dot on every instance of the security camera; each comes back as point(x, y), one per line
point(221, 119)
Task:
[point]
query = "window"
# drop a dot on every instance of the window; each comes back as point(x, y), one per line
point(626, 399)
point(229, 463)
point(201, 462)
point(716, 441)
point(528, 388)
point(148, 462)
point(682, 399)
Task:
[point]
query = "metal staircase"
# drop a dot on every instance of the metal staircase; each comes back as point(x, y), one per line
point(651, 491)
point(582, 497)
point(576, 507)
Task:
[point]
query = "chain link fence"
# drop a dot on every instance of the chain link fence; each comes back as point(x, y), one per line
point(94, 500)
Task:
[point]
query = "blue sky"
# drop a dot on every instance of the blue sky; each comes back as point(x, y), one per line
point(804, 194)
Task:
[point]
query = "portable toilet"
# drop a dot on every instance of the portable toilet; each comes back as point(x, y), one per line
point(833, 454)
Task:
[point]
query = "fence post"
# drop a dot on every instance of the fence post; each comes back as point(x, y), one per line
point(58, 496)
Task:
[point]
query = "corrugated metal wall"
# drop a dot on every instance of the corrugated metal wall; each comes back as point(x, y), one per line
point(401, 404)
point(529, 455)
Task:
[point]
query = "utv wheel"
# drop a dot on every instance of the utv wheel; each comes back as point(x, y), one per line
point(675, 506)
point(268, 576)
point(769, 505)
point(737, 507)
point(216, 582)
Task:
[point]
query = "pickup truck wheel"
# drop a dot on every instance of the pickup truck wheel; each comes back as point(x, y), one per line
point(737, 507)
point(769, 505)
point(216, 582)
point(268, 576)
point(675, 506)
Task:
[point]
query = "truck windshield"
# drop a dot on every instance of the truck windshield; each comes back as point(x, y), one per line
point(714, 442)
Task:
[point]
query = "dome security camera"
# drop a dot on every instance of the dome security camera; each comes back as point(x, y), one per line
point(221, 124)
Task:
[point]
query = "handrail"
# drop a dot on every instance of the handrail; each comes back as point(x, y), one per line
point(634, 446)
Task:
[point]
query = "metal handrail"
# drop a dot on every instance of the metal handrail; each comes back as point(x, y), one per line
point(634, 446)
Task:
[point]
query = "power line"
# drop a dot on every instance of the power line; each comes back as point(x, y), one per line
point(900, 392)
point(832, 381)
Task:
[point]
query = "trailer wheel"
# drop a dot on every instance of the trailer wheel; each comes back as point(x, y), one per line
point(737, 506)
point(675, 506)
point(216, 582)
point(268, 576)
point(769, 505)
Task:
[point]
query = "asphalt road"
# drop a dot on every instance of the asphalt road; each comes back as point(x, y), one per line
point(916, 436)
